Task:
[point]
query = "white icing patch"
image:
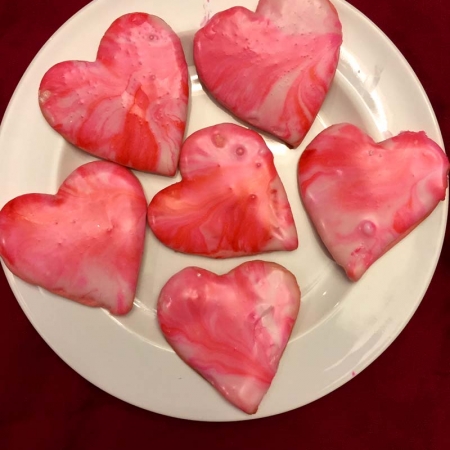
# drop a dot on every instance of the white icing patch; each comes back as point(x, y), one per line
point(44, 96)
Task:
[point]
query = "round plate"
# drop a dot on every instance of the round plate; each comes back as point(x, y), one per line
point(342, 326)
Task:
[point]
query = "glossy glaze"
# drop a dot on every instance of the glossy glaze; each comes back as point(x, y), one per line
point(272, 68)
point(86, 242)
point(365, 197)
point(232, 329)
point(130, 105)
point(231, 201)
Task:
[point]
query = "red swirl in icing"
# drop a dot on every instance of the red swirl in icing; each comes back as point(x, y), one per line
point(130, 105)
point(231, 200)
point(86, 242)
point(272, 68)
point(365, 197)
point(232, 329)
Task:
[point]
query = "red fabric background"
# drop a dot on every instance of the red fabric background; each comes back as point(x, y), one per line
point(402, 401)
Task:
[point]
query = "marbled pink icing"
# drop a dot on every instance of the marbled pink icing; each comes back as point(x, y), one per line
point(86, 242)
point(272, 68)
point(365, 197)
point(232, 329)
point(231, 200)
point(130, 105)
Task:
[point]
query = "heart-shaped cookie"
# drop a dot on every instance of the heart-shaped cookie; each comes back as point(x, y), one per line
point(130, 105)
point(231, 201)
point(233, 328)
point(365, 197)
point(86, 242)
point(272, 68)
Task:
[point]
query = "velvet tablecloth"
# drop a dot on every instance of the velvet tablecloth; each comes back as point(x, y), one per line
point(401, 401)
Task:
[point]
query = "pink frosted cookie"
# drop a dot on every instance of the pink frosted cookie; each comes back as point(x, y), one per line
point(272, 68)
point(365, 197)
point(86, 242)
point(233, 328)
point(231, 201)
point(130, 105)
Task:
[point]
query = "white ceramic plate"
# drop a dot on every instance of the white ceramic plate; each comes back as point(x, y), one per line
point(342, 326)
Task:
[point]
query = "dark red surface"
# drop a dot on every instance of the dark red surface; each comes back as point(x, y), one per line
point(401, 401)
